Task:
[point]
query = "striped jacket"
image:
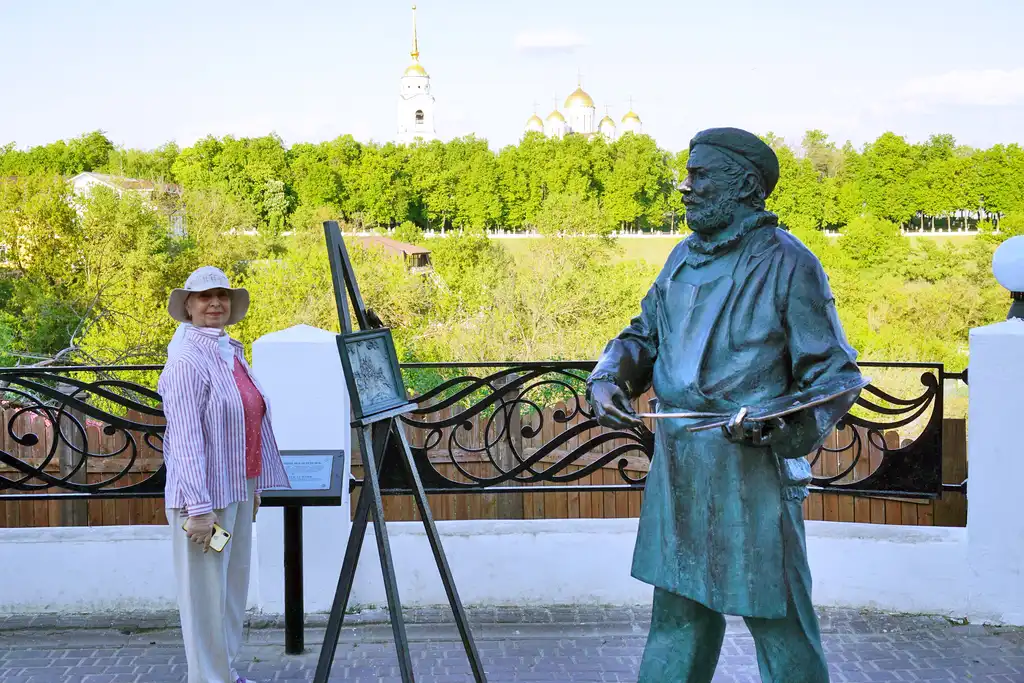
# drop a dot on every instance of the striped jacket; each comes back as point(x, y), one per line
point(204, 444)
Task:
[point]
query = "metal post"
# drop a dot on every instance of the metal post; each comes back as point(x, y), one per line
point(294, 613)
point(510, 423)
point(72, 443)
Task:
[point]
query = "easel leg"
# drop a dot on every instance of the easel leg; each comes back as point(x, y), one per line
point(387, 566)
point(439, 558)
point(369, 501)
point(344, 590)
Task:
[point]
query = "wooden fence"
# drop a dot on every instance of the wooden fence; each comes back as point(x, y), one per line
point(44, 513)
point(951, 510)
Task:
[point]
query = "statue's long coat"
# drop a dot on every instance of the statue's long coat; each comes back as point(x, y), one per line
point(712, 527)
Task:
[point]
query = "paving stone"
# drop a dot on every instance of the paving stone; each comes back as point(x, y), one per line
point(556, 644)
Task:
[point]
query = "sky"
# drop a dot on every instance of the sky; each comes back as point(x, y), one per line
point(311, 70)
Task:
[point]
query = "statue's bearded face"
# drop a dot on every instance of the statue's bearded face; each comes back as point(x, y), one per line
point(710, 191)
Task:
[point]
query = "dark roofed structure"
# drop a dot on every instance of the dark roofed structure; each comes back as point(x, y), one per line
point(415, 257)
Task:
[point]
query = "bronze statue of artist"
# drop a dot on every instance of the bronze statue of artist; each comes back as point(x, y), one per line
point(741, 315)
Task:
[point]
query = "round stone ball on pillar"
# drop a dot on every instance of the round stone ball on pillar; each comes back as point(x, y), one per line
point(1008, 267)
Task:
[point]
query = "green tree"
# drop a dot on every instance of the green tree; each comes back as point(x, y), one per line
point(637, 188)
point(886, 166)
point(873, 242)
point(382, 190)
point(572, 214)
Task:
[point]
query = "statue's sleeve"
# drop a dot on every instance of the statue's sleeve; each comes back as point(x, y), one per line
point(628, 359)
point(819, 354)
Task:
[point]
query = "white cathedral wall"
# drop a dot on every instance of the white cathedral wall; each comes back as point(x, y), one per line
point(554, 129)
point(630, 127)
point(581, 119)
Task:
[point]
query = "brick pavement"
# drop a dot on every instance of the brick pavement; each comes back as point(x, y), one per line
point(542, 644)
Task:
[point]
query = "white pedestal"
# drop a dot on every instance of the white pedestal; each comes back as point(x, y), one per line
point(300, 371)
point(995, 521)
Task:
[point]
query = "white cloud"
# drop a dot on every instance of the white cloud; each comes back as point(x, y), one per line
point(979, 87)
point(548, 42)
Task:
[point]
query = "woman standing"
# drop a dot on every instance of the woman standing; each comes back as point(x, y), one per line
point(220, 452)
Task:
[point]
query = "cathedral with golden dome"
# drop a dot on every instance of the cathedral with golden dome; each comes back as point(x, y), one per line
point(579, 117)
point(416, 109)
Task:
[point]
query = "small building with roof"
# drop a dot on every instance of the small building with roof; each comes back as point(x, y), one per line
point(416, 258)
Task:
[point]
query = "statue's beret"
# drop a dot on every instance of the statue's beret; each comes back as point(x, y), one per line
point(746, 148)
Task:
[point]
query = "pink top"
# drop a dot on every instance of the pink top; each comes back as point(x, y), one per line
point(255, 409)
point(205, 441)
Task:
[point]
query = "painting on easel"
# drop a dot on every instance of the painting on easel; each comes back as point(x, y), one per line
point(372, 371)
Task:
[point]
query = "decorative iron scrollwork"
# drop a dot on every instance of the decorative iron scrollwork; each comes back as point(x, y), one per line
point(913, 467)
point(507, 409)
point(496, 416)
point(48, 414)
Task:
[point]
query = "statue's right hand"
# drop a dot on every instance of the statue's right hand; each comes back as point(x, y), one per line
point(611, 406)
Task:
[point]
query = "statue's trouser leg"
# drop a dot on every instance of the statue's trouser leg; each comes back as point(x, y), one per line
point(684, 642)
point(789, 649)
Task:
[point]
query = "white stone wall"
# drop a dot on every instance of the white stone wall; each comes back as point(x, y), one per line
point(539, 562)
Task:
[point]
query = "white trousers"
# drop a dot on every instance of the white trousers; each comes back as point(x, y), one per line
point(212, 589)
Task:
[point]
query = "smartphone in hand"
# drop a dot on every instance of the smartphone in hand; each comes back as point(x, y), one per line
point(220, 536)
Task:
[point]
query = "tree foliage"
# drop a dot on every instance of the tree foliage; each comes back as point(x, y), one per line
point(87, 279)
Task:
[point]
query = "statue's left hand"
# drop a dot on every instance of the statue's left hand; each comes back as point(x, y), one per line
point(749, 433)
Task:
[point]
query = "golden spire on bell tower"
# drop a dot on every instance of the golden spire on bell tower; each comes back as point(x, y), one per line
point(415, 54)
point(415, 69)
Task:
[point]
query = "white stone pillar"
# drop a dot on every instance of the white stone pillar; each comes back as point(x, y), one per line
point(995, 521)
point(300, 370)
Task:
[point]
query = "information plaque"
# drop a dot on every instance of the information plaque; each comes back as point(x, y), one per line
point(315, 476)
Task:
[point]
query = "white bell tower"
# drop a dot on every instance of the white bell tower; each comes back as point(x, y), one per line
point(415, 103)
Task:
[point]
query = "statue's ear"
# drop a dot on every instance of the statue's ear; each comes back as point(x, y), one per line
point(750, 186)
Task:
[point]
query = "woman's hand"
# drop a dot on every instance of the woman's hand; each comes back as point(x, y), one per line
point(199, 529)
point(256, 500)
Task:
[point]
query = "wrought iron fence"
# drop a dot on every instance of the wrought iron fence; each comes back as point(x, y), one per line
point(502, 414)
point(479, 427)
point(80, 432)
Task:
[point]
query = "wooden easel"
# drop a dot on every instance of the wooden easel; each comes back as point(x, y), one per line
point(376, 432)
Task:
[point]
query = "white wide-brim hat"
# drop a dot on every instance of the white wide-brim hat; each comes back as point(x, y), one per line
point(202, 279)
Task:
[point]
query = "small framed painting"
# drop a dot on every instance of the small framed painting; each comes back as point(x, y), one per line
point(374, 378)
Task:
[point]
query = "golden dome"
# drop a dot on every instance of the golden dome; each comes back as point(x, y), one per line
point(631, 116)
point(579, 98)
point(556, 116)
point(416, 70)
point(534, 119)
point(607, 119)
